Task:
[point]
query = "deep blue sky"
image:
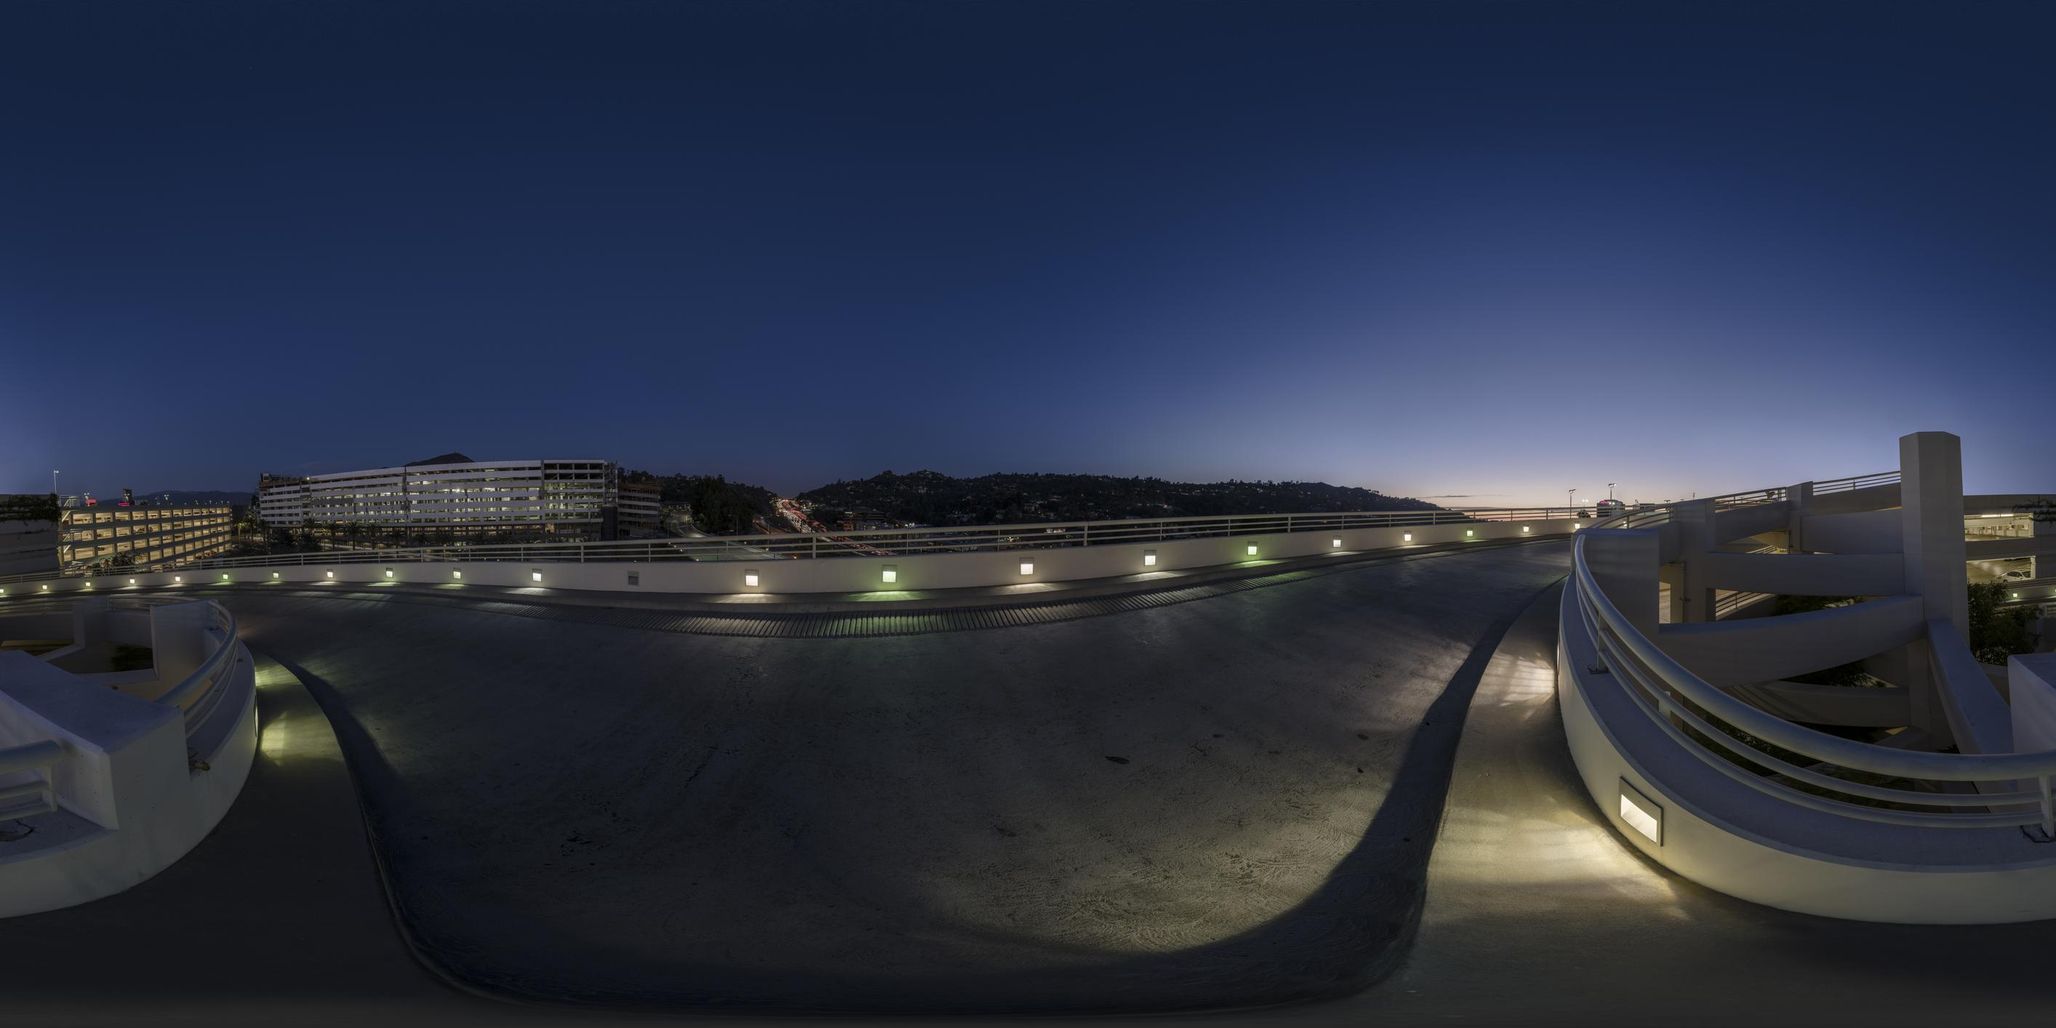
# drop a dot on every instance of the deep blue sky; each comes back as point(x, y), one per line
point(1497, 249)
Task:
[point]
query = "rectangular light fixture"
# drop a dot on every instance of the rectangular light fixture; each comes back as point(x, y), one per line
point(1338, 542)
point(1524, 530)
point(1641, 813)
point(891, 574)
point(1469, 532)
point(1252, 549)
point(1149, 558)
point(535, 576)
point(274, 574)
point(456, 573)
point(89, 585)
point(132, 581)
point(175, 580)
point(1406, 537)
point(224, 576)
point(749, 579)
point(389, 572)
point(330, 574)
point(1575, 526)
point(1027, 567)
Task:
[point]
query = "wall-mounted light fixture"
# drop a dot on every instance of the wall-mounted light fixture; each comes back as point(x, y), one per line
point(1406, 537)
point(891, 574)
point(1524, 530)
point(1149, 558)
point(1252, 549)
point(330, 574)
point(1641, 813)
point(1469, 532)
point(535, 576)
point(175, 580)
point(389, 572)
point(1027, 567)
point(457, 573)
point(1337, 544)
point(749, 578)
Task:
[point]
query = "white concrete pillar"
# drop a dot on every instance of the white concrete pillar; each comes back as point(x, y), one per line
point(1624, 561)
point(1931, 524)
point(1798, 498)
point(1694, 600)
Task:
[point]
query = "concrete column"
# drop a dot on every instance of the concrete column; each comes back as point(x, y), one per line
point(2043, 567)
point(1931, 524)
point(1799, 498)
point(1624, 563)
point(1694, 600)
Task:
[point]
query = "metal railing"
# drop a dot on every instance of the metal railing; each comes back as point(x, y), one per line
point(2011, 790)
point(1855, 482)
point(892, 542)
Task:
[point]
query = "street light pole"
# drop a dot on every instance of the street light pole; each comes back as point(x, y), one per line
point(53, 481)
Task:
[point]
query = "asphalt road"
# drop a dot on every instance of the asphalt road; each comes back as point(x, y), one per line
point(1219, 803)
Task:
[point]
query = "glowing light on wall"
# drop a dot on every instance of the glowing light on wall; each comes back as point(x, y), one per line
point(1252, 549)
point(1641, 813)
point(1149, 558)
point(1338, 542)
point(749, 578)
point(1406, 537)
point(389, 572)
point(331, 574)
point(891, 574)
point(457, 574)
point(535, 576)
point(1027, 567)
point(1469, 532)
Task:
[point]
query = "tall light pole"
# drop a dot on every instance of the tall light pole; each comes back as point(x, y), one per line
point(1570, 498)
point(53, 481)
point(1609, 490)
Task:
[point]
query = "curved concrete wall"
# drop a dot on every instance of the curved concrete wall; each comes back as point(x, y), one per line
point(136, 790)
point(1976, 876)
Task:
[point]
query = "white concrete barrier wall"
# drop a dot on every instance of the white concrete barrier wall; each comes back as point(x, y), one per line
point(1902, 884)
point(827, 574)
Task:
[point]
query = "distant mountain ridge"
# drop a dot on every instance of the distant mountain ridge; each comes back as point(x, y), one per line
point(933, 498)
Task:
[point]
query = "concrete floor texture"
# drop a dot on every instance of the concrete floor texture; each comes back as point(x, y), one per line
point(1233, 802)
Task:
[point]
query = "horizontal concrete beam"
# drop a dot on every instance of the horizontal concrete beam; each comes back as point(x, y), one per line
point(1870, 531)
point(1731, 653)
point(1852, 706)
point(1998, 549)
point(1808, 574)
point(1743, 522)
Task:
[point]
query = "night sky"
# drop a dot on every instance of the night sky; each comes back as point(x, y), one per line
point(1491, 249)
